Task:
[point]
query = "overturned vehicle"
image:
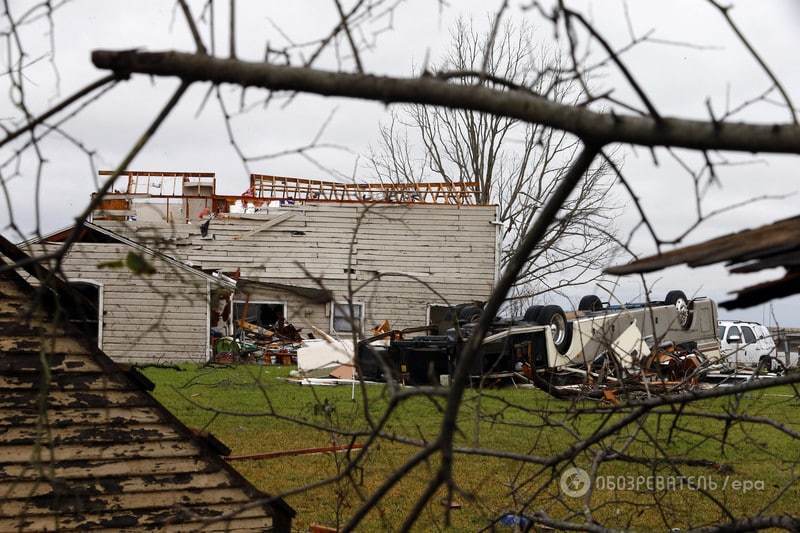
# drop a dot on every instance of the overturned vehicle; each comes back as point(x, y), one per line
point(551, 348)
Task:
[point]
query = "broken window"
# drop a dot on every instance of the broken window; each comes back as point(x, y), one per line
point(342, 322)
point(734, 335)
point(262, 314)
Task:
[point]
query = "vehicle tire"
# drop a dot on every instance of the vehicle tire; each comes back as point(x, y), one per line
point(470, 314)
point(553, 316)
point(681, 303)
point(590, 302)
point(765, 363)
point(532, 313)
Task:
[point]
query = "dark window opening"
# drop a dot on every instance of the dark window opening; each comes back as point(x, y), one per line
point(85, 313)
point(441, 316)
point(264, 315)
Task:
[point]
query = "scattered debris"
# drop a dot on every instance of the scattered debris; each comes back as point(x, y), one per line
point(451, 504)
point(318, 528)
point(606, 353)
point(328, 382)
point(516, 521)
point(253, 343)
point(383, 327)
point(600, 352)
point(343, 372)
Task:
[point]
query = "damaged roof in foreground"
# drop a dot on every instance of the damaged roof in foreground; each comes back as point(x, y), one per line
point(91, 449)
point(771, 246)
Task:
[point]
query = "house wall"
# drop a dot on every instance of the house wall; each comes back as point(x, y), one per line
point(450, 249)
point(112, 456)
point(147, 318)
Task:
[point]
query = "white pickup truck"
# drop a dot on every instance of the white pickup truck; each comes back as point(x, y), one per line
point(746, 343)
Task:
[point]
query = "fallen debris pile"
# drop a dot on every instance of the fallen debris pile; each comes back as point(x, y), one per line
point(256, 344)
point(599, 352)
point(330, 361)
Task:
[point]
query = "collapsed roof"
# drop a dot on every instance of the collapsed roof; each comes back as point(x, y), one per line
point(182, 196)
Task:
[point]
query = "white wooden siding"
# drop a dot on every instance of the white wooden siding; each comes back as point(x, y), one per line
point(451, 248)
point(146, 319)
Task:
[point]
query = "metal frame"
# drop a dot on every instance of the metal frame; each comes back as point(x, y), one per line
point(138, 179)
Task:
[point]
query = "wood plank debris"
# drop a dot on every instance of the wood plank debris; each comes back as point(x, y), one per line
point(770, 246)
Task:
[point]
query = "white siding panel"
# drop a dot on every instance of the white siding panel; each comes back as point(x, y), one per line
point(147, 319)
point(452, 247)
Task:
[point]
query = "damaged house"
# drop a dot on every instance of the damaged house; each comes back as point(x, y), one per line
point(83, 446)
point(171, 263)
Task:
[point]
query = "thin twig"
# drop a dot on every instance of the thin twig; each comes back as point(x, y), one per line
point(198, 41)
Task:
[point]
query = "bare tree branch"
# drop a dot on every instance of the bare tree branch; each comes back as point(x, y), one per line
point(598, 128)
point(725, 13)
point(187, 13)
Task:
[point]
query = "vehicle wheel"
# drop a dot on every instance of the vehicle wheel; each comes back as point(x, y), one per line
point(765, 363)
point(681, 303)
point(470, 314)
point(590, 302)
point(532, 313)
point(553, 316)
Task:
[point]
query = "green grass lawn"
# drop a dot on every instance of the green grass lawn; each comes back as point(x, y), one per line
point(505, 419)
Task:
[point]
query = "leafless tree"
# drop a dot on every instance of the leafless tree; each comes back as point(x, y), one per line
point(516, 164)
point(647, 431)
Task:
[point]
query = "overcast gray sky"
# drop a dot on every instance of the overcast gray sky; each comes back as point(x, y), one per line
point(677, 78)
